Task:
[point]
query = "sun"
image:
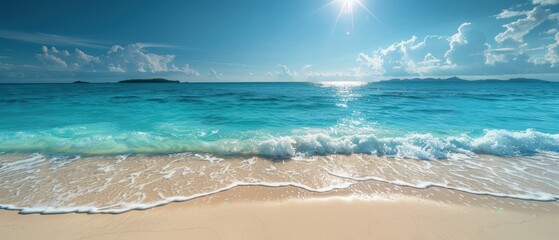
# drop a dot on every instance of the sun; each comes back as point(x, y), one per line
point(347, 7)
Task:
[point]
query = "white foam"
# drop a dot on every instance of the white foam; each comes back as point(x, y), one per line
point(466, 168)
point(125, 207)
point(416, 146)
point(129, 206)
point(536, 196)
point(304, 142)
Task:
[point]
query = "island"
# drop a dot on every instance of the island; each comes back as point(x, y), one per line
point(80, 82)
point(459, 80)
point(152, 80)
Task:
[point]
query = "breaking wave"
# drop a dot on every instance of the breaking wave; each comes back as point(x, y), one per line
point(302, 142)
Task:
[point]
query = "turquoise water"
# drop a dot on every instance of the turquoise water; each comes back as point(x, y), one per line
point(281, 120)
point(112, 148)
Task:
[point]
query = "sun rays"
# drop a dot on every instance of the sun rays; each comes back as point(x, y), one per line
point(347, 8)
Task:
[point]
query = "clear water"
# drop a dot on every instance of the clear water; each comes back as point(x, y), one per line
point(491, 138)
point(281, 119)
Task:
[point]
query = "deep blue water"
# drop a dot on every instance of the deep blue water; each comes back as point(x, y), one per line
point(418, 120)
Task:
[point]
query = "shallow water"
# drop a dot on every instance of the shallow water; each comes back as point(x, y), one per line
point(113, 147)
point(116, 184)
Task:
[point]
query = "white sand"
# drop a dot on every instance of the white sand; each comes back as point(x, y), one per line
point(324, 218)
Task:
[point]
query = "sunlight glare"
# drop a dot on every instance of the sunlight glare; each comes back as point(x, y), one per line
point(347, 7)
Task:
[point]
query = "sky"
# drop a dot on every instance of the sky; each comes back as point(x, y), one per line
point(287, 40)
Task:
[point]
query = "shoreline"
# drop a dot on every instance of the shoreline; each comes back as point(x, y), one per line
point(125, 183)
point(252, 212)
point(366, 190)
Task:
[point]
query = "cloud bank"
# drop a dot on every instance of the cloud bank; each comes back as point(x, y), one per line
point(282, 73)
point(545, 2)
point(527, 43)
point(120, 59)
point(470, 51)
point(518, 29)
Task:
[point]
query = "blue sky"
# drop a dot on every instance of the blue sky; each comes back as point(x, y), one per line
point(288, 40)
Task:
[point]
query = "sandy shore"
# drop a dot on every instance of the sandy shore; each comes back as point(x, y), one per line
point(265, 213)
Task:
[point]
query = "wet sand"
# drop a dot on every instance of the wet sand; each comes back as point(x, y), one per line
point(291, 213)
point(114, 184)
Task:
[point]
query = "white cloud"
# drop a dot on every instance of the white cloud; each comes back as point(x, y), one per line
point(393, 60)
point(156, 45)
point(82, 57)
point(186, 69)
point(502, 57)
point(545, 2)
point(133, 58)
point(505, 55)
point(52, 57)
point(467, 46)
point(283, 73)
point(375, 63)
point(408, 57)
point(116, 68)
point(63, 58)
point(51, 39)
point(510, 14)
point(518, 29)
point(552, 55)
point(59, 40)
point(464, 53)
point(551, 31)
point(212, 73)
point(492, 56)
point(468, 52)
point(130, 58)
point(306, 67)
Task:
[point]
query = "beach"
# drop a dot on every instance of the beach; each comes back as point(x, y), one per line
point(274, 213)
point(459, 160)
point(291, 120)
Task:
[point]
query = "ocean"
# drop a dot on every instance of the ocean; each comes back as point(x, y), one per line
point(117, 147)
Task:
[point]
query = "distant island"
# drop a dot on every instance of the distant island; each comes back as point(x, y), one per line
point(400, 80)
point(152, 80)
point(456, 79)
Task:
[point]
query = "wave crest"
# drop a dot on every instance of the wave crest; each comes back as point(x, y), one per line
point(417, 146)
point(302, 142)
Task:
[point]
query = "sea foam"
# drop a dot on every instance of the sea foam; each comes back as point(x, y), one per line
point(301, 142)
point(141, 182)
point(417, 146)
